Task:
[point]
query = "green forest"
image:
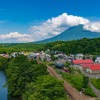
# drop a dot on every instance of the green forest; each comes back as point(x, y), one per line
point(29, 80)
point(85, 45)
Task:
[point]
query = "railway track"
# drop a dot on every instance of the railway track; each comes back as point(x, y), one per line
point(72, 92)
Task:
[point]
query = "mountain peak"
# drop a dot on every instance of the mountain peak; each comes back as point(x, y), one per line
point(73, 33)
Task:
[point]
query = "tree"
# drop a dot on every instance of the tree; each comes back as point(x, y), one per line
point(4, 63)
point(39, 70)
point(67, 64)
point(45, 88)
point(20, 72)
point(85, 82)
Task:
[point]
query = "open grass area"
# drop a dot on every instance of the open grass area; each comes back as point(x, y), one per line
point(96, 83)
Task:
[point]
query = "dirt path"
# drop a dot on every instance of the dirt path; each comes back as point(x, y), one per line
point(74, 94)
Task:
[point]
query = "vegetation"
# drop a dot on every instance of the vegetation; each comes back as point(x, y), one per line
point(67, 64)
point(96, 83)
point(89, 91)
point(75, 80)
point(79, 81)
point(86, 46)
point(28, 80)
point(85, 81)
point(18, 47)
point(20, 72)
point(45, 88)
point(4, 63)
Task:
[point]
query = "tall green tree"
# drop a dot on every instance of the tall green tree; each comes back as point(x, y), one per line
point(4, 63)
point(20, 72)
point(45, 88)
point(85, 81)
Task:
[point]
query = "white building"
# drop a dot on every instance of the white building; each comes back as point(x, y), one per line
point(79, 56)
point(97, 59)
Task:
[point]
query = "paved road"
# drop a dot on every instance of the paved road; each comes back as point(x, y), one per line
point(91, 75)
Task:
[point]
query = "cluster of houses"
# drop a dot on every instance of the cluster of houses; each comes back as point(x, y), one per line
point(5, 55)
point(80, 61)
point(14, 54)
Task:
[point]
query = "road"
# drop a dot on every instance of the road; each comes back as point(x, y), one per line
point(91, 75)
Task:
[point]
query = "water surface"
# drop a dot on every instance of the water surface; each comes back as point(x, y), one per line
point(3, 90)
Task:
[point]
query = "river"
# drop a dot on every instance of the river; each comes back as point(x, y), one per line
point(3, 90)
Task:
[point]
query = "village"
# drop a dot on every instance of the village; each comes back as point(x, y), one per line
point(87, 63)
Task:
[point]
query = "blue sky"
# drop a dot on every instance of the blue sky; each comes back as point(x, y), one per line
point(24, 20)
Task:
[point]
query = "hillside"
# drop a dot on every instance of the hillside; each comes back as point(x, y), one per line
point(72, 33)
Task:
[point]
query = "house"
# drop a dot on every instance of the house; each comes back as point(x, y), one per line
point(32, 56)
point(92, 68)
point(48, 57)
point(15, 54)
point(42, 56)
point(79, 56)
point(78, 62)
point(5, 55)
point(97, 59)
point(59, 64)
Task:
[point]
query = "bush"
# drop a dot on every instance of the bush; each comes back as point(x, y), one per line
point(89, 91)
point(96, 83)
point(76, 81)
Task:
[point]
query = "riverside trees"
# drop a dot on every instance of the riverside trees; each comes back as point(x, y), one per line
point(29, 80)
point(20, 72)
point(45, 88)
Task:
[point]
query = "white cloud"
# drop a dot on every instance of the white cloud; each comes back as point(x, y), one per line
point(16, 37)
point(92, 26)
point(56, 25)
point(50, 28)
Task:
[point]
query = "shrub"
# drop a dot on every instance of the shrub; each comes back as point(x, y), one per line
point(89, 91)
point(96, 83)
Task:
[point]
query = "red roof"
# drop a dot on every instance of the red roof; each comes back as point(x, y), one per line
point(87, 61)
point(91, 66)
point(86, 65)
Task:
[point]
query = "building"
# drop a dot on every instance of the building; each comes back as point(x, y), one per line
point(15, 54)
point(97, 59)
point(91, 68)
point(5, 55)
point(59, 64)
point(78, 62)
point(79, 56)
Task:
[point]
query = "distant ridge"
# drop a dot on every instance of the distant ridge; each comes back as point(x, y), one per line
point(73, 33)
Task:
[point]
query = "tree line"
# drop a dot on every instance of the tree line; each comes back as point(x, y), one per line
point(85, 45)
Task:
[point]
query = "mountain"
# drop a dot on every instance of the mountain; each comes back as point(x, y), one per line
point(73, 33)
